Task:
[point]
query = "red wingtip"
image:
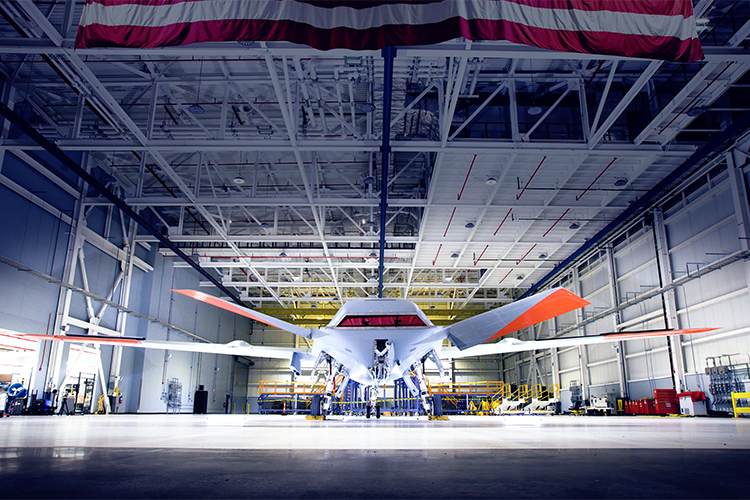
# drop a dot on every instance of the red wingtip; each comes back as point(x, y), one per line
point(660, 333)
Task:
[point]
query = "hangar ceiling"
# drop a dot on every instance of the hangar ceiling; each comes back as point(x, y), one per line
point(262, 160)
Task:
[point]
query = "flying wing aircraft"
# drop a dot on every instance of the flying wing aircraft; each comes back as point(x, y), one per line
point(377, 341)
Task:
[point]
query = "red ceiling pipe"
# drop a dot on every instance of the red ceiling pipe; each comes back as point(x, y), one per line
point(449, 222)
point(467, 177)
point(480, 255)
point(518, 196)
point(526, 254)
point(597, 178)
point(505, 277)
point(503, 222)
point(553, 225)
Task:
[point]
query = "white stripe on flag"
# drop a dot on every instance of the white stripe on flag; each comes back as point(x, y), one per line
point(389, 14)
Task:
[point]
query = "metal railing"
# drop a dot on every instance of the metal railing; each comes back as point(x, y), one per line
point(739, 410)
point(280, 387)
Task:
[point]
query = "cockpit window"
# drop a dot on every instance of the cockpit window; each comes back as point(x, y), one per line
point(382, 321)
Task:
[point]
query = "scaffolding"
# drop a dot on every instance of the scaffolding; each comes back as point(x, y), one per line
point(466, 398)
point(470, 398)
point(286, 397)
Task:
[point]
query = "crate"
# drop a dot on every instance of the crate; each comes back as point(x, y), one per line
point(649, 406)
point(666, 402)
point(665, 393)
point(667, 407)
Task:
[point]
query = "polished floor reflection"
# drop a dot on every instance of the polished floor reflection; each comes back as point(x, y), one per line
point(221, 456)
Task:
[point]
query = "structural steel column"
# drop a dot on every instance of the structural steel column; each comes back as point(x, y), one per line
point(677, 357)
point(583, 355)
point(614, 295)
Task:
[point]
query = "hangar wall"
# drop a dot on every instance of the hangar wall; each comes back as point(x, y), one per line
point(694, 247)
point(47, 230)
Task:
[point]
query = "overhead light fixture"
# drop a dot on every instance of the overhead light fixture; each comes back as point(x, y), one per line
point(23, 107)
point(542, 255)
point(575, 225)
point(491, 181)
point(454, 255)
point(264, 225)
point(448, 279)
point(239, 180)
point(519, 277)
point(196, 109)
point(696, 111)
point(246, 43)
point(282, 254)
point(367, 107)
point(373, 255)
point(368, 181)
point(469, 225)
point(620, 182)
point(534, 110)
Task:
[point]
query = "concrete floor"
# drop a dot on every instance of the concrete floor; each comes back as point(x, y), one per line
point(252, 456)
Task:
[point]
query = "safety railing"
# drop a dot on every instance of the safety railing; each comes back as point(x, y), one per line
point(278, 387)
point(463, 388)
point(739, 410)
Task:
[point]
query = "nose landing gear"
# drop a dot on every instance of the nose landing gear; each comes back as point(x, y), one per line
point(372, 405)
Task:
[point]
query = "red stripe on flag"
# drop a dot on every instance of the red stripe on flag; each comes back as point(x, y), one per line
point(682, 8)
point(652, 47)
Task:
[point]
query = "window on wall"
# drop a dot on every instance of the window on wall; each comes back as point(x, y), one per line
point(695, 189)
point(592, 261)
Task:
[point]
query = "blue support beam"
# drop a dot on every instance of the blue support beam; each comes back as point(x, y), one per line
point(389, 54)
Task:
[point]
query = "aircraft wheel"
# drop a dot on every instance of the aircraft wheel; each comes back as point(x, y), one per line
point(368, 410)
point(377, 411)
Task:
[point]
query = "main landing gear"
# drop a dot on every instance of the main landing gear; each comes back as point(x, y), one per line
point(369, 412)
point(372, 405)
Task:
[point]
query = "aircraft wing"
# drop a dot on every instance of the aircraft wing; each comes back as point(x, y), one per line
point(236, 347)
point(512, 317)
point(515, 345)
point(248, 313)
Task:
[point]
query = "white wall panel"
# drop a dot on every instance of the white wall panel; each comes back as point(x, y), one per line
point(699, 216)
point(594, 280)
point(604, 374)
point(710, 246)
point(635, 254)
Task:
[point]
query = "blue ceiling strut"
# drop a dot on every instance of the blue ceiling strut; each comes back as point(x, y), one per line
point(389, 54)
point(716, 144)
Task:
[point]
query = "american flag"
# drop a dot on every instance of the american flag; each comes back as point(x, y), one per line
point(653, 29)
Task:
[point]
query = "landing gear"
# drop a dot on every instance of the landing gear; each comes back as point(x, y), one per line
point(424, 392)
point(368, 411)
point(332, 390)
point(372, 405)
